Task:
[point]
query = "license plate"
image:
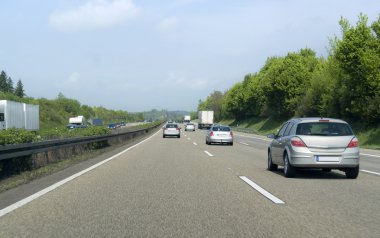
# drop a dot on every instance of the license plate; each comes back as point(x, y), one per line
point(319, 158)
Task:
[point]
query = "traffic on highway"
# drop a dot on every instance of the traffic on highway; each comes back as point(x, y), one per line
point(183, 187)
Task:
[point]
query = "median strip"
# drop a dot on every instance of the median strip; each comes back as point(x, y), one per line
point(261, 190)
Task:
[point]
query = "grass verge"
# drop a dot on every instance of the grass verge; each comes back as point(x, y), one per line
point(368, 138)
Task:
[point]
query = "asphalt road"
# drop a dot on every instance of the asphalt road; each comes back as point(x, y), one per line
point(184, 188)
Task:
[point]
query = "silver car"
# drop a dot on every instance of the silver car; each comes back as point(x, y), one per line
point(189, 127)
point(314, 143)
point(219, 134)
point(171, 129)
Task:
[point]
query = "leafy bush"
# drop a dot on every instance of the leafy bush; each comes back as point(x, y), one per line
point(59, 133)
point(17, 136)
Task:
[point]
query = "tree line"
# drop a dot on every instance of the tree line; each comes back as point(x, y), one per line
point(6, 85)
point(345, 84)
point(55, 113)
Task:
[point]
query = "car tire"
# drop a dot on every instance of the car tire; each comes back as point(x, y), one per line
point(231, 144)
point(352, 173)
point(179, 136)
point(271, 166)
point(289, 170)
point(163, 136)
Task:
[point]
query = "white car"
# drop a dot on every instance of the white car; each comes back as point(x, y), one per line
point(171, 129)
point(190, 127)
point(219, 134)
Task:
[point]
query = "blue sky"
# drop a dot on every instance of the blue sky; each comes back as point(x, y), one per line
point(139, 55)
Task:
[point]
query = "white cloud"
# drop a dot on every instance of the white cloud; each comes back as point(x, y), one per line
point(95, 14)
point(72, 82)
point(182, 81)
point(185, 2)
point(168, 24)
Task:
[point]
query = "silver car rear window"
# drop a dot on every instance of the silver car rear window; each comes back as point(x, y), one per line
point(221, 128)
point(324, 129)
point(171, 126)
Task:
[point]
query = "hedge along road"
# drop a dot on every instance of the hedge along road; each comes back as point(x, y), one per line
point(171, 188)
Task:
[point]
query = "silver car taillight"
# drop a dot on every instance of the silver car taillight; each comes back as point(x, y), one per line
point(296, 141)
point(353, 143)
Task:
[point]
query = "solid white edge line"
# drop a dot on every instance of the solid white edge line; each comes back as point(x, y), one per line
point(208, 153)
point(370, 172)
point(36, 195)
point(243, 143)
point(377, 156)
point(262, 191)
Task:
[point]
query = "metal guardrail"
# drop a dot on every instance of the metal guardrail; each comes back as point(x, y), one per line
point(13, 151)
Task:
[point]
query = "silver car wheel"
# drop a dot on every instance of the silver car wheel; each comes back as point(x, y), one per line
point(289, 170)
point(271, 166)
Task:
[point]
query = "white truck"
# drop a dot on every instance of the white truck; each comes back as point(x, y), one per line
point(19, 115)
point(187, 119)
point(79, 120)
point(205, 119)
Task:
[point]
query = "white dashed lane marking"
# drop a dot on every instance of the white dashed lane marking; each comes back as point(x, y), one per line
point(243, 143)
point(262, 191)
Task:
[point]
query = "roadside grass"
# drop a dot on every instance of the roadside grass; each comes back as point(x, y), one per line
point(263, 126)
point(368, 138)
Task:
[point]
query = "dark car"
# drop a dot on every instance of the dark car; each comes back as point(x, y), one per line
point(112, 126)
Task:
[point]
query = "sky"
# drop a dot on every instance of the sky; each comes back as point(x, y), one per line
point(140, 55)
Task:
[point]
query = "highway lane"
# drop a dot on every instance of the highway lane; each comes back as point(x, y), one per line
point(172, 188)
point(369, 159)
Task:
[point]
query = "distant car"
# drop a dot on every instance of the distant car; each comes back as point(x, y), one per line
point(171, 129)
point(112, 126)
point(219, 134)
point(75, 126)
point(324, 143)
point(71, 126)
point(190, 127)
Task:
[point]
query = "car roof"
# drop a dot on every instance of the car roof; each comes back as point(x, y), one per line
point(317, 119)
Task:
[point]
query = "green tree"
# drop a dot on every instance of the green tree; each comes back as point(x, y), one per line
point(19, 90)
point(233, 102)
point(253, 97)
point(67, 105)
point(320, 99)
point(358, 55)
point(213, 103)
point(3, 81)
point(285, 81)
